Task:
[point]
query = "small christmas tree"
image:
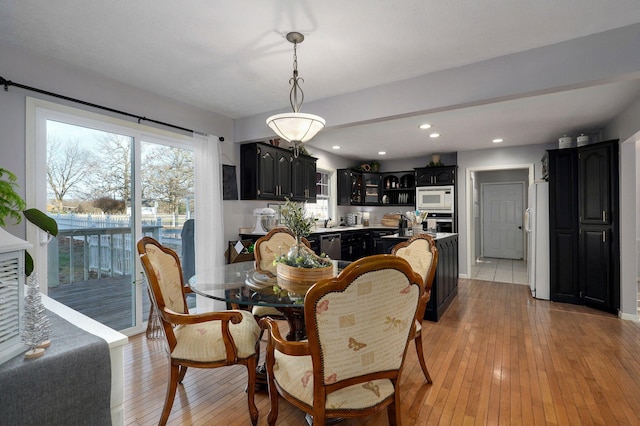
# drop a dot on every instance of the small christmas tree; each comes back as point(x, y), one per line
point(36, 331)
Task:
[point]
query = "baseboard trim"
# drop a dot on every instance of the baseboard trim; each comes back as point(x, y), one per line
point(628, 317)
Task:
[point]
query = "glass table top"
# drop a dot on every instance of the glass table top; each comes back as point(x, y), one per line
point(240, 283)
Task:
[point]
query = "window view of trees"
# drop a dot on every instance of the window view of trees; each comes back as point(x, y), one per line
point(90, 193)
point(92, 174)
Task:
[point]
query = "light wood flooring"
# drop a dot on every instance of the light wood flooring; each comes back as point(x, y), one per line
point(497, 356)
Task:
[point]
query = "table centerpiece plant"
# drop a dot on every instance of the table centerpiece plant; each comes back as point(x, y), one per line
point(300, 268)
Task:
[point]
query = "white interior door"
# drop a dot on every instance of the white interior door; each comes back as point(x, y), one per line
point(502, 216)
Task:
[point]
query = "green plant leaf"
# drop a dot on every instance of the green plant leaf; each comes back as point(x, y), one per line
point(42, 221)
point(28, 264)
point(10, 202)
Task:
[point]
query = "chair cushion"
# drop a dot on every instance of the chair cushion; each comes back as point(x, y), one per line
point(263, 311)
point(294, 374)
point(203, 342)
point(419, 256)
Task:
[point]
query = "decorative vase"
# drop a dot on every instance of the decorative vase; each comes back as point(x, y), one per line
point(297, 250)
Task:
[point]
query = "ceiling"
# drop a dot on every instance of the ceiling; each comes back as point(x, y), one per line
point(231, 58)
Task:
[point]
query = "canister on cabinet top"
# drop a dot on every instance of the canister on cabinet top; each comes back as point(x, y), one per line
point(565, 142)
point(583, 140)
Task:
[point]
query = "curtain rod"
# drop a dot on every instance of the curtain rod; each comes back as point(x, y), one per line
point(7, 83)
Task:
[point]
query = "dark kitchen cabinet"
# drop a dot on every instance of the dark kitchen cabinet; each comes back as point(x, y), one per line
point(358, 188)
point(563, 225)
point(584, 225)
point(269, 173)
point(303, 180)
point(344, 186)
point(355, 244)
point(594, 196)
point(398, 188)
point(350, 187)
point(444, 175)
point(371, 186)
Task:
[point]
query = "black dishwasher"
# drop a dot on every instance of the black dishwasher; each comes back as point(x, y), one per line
point(330, 244)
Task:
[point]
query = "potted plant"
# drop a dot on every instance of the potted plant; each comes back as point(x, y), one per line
point(300, 267)
point(12, 208)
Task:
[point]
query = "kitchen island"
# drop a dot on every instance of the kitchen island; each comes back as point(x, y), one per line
point(360, 241)
point(445, 283)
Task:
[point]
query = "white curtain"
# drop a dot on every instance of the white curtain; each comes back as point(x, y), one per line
point(209, 226)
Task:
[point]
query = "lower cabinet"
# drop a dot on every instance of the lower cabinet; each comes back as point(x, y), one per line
point(445, 283)
point(355, 244)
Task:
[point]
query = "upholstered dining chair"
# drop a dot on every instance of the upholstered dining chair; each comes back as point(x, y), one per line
point(421, 253)
point(204, 340)
point(358, 329)
point(276, 242)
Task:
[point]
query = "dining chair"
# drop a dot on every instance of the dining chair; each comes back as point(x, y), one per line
point(203, 340)
point(421, 253)
point(276, 242)
point(358, 329)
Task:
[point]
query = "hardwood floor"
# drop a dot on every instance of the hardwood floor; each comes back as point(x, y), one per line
point(497, 356)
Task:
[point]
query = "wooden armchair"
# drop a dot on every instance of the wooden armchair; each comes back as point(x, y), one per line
point(207, 340)
point(358, 327)
point(421, 253)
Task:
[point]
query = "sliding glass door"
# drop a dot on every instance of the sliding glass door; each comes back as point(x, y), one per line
point(106, 186)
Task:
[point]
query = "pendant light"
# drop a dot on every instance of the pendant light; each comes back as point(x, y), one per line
point(296, 127)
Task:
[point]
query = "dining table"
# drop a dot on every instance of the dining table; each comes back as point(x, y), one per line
point(241, 285)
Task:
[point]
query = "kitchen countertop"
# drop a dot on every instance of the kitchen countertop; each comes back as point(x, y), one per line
point(320, 230)
point(436, 236)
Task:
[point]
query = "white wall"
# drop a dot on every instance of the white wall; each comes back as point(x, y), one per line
point(50, 75)
point(626, 127)
point(486, 159)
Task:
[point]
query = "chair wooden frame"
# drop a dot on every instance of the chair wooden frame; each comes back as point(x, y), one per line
point(428, 282)
point(311, 347)
point(170, 319)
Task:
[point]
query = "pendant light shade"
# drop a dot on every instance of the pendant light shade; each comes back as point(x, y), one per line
point(296, 127)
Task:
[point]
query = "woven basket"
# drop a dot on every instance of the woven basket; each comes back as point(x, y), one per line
point(298, 280)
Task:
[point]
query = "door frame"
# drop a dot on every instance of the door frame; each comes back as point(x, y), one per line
point(482, 202)
point(469, 203)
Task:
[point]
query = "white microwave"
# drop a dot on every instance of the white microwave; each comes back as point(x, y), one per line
point(437, 199)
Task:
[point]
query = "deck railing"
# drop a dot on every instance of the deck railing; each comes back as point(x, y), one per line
point(93, 253)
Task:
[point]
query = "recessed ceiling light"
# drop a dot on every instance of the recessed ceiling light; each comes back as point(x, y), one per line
point(382, 153)
point(434, 135)
point(497, 140)
point(336, 147)
point(425, 126)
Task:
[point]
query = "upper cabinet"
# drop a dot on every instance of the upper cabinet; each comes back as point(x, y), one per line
point(398, 188)
point(358, 188)
point(303, 179)
point(594, 198)
point(350, 187)
point(444, 175)
point(371, 183)
point(270, 173)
